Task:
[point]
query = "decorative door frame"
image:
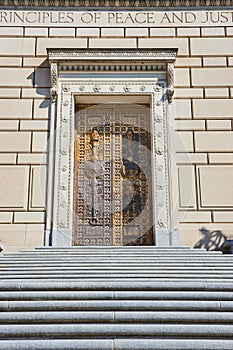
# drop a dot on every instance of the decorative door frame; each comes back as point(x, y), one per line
point(96, 73)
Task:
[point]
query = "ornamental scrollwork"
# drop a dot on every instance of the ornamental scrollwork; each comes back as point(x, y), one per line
point(170, 81)
point(117, 3)
point(54, 77)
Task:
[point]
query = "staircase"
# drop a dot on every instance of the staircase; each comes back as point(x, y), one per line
point(116, 298)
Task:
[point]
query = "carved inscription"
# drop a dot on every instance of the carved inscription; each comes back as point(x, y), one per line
point(116, 18)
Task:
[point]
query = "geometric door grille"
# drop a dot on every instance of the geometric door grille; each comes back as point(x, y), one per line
point(112, 175)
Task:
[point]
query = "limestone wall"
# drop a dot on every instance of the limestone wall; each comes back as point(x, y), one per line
point(203, 113)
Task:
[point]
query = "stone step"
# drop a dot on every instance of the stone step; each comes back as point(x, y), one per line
point(115, 254)
point(60, 317)
point(101, 305)
point(116, 298)
point(84, 265)
point(115, 250)
point(142, 270)
point(104, 247)
point(115, 285)
point(116, 259)
point(108, 295)
point(117, 344)
point(115, 330)
point(188, 275)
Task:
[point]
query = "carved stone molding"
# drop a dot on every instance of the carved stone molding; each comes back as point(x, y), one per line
point(117, 3)
point(54, 77)
point(113, 68)
point(105, 55)
point(152, 60)
point(170, 81)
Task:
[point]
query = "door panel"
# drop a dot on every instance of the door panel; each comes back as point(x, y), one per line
point(112, 176)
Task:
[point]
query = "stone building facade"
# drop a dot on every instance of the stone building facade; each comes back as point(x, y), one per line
point(187, 45)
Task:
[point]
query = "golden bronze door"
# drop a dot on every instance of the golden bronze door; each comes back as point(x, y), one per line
point(112, 176)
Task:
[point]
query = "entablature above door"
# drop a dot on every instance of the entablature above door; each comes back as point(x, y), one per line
point(112, 61)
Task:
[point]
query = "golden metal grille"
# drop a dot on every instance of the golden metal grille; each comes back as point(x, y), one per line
point(112, 176)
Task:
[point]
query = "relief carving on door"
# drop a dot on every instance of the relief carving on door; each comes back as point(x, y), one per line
point(112, 176)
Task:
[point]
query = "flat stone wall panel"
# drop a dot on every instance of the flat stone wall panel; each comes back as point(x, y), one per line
point(34, 235)
point(214, 141)
point(88, 32)
point(215, 61)
point(10, 93)
point(190, 125)
point(41, 109)
point(36, 62)
point(182, 93)
point(43, 44)
point(188, 62)
point(11, 61)
point(213, 109)
point(223, 216)
point(217, 31)
point(164, 32)
point(26, 217)
point(182, 109)
point(6, 217)
point(8, 158)
point(15, 141)
point(212, 76)
point(138, 32)
point(39, 141)
point(62, 32)
point(182, 78)
point(187, 187)
point(219, 125)
point(16, 77)
point(32, 158)
point(191, 158)
point(184, 141)
point(38, 187)
point(14, 237)
point(217, 93)
point(112, 43)
point(17, 46)
point(113, 33)
point(38, 93)
point(15, 109)
point(215, 186)
point(221, 158)
point(36, 32)
point(192, 216)
point(186, 32)
point(9, 125)
point(14, 187)
point(212, 47)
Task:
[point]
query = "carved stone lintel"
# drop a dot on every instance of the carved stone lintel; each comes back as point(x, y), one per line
point(122, 56)
point(54, 78)
point(117, 3)
point(170, 81)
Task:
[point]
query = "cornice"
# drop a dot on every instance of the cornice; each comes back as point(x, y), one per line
point(159, 55)
point(116, 3)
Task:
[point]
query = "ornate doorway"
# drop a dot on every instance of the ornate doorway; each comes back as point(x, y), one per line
point(112, 175)
point(81, 165)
